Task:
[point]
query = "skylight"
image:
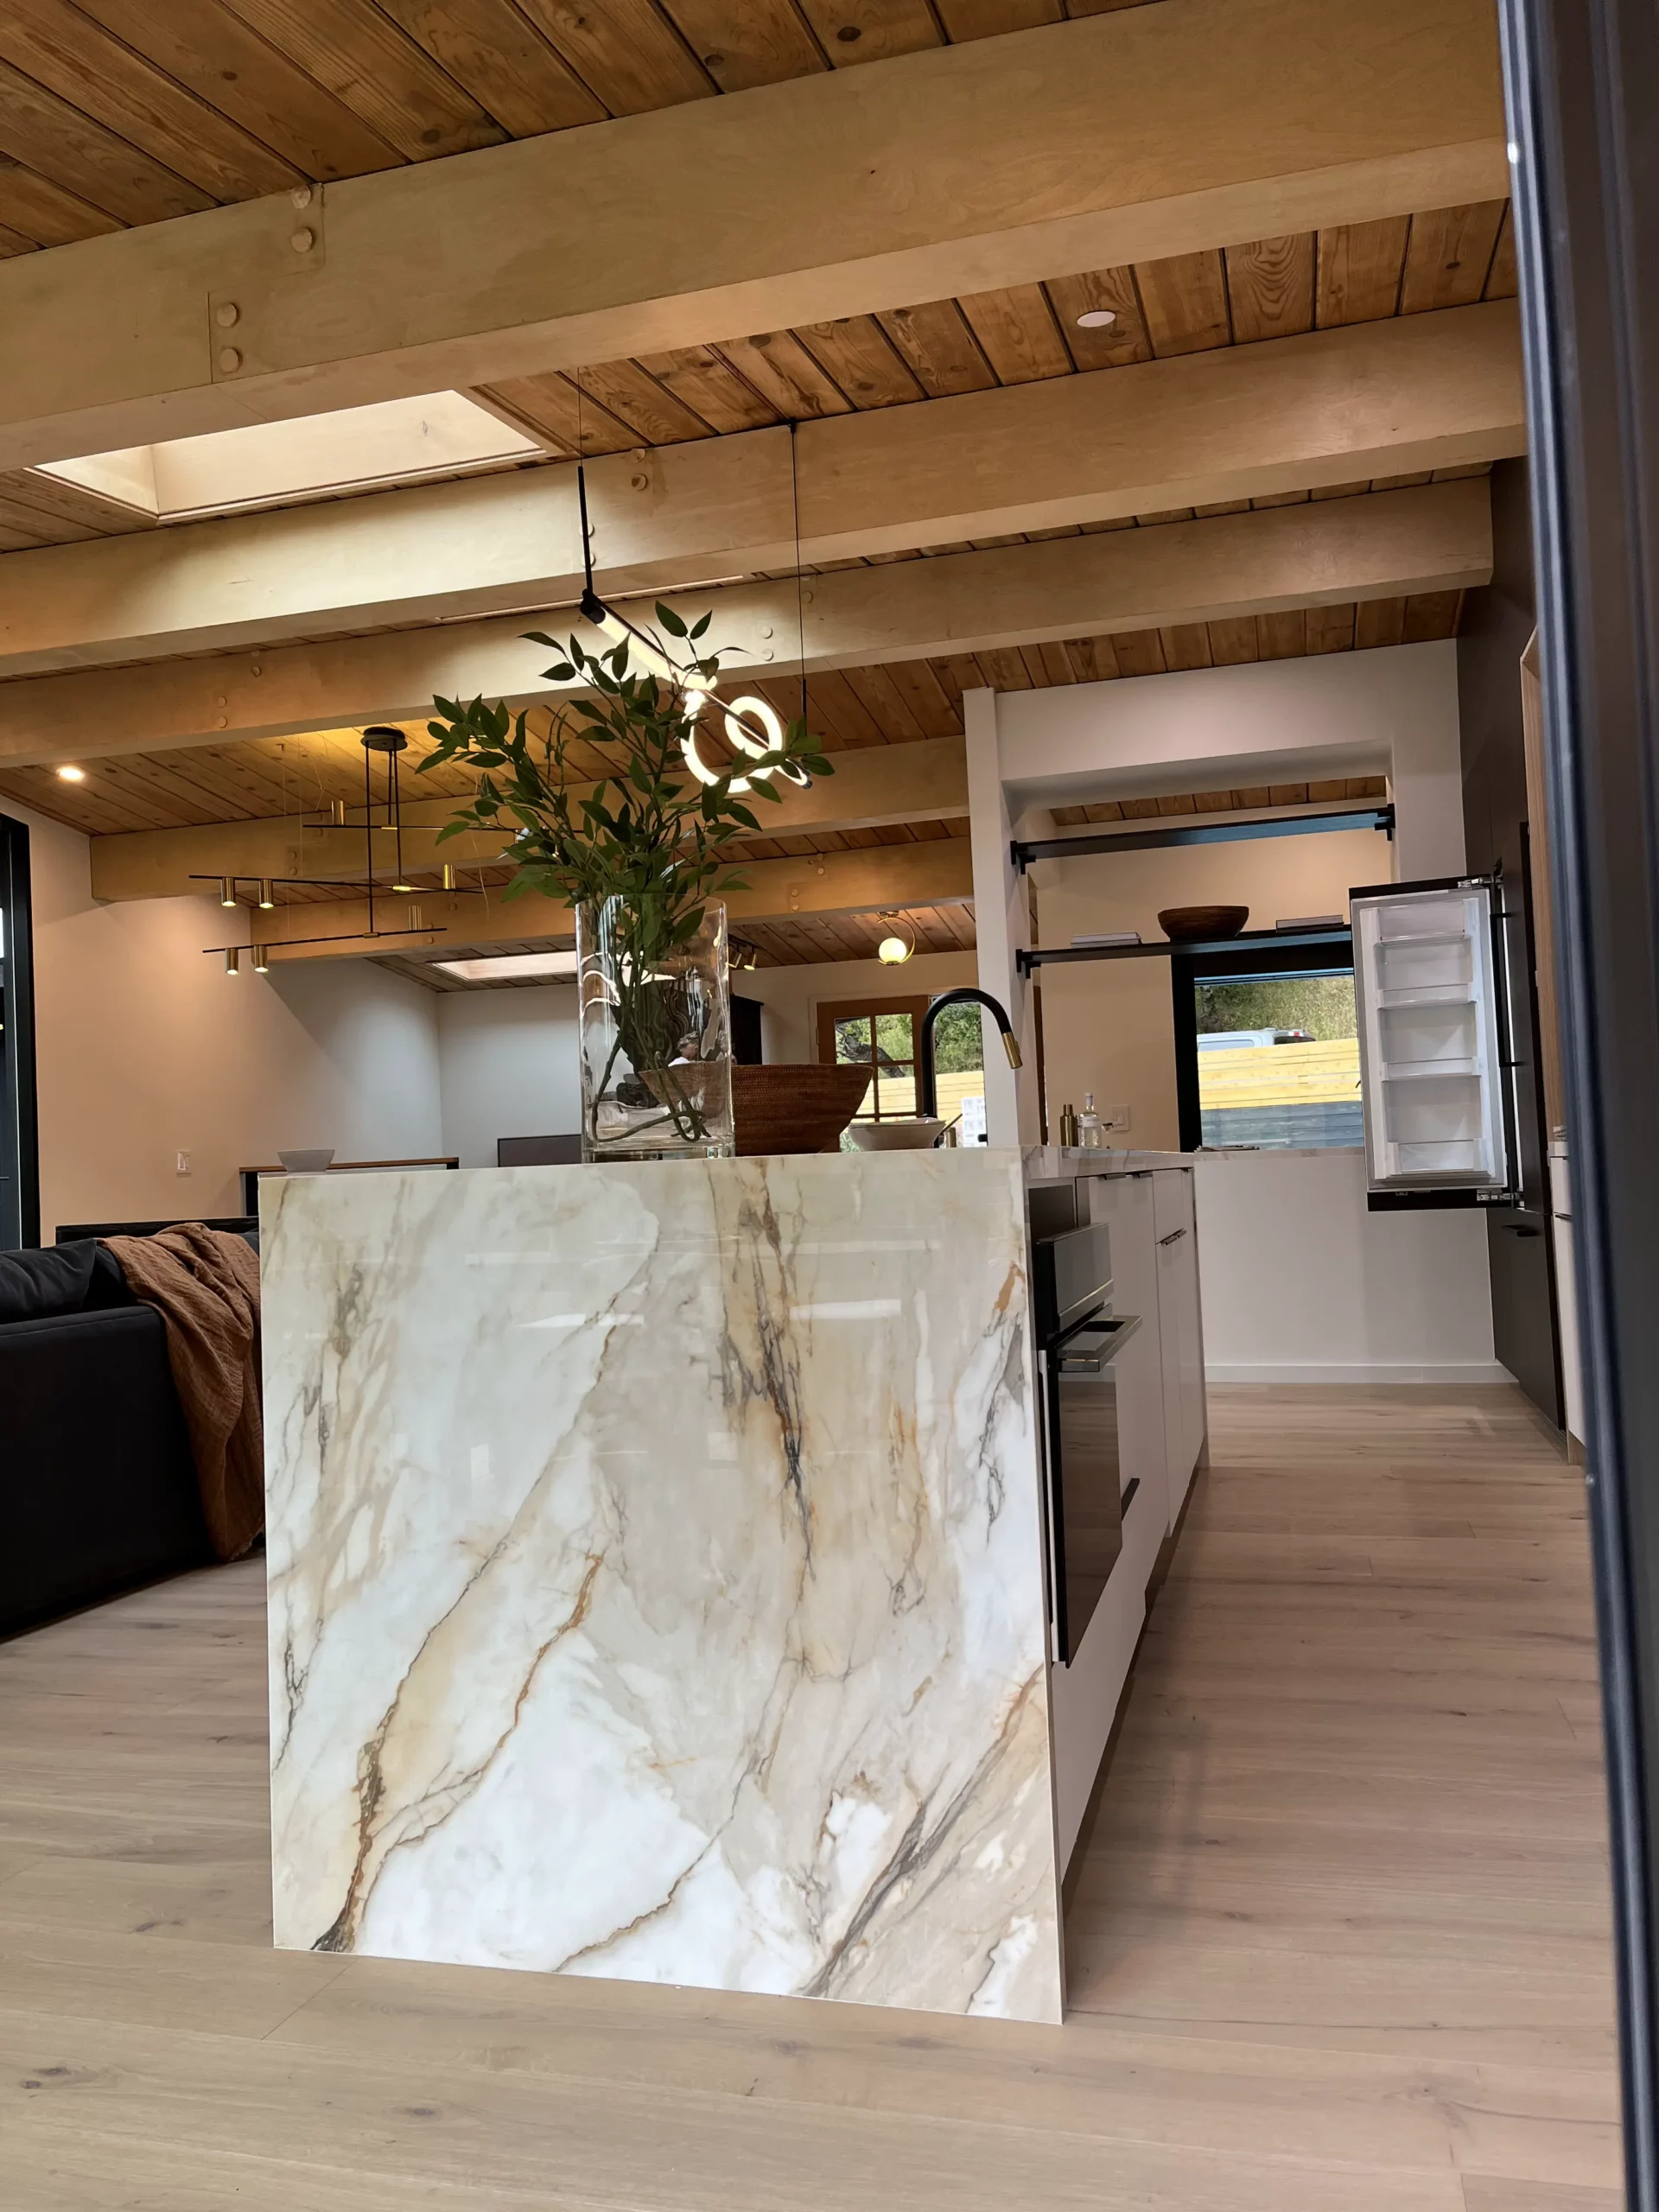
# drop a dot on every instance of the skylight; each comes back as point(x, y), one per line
point(510, 967)
point(317, 456)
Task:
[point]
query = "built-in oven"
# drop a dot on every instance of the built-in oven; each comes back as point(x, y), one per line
point(1078, 1340)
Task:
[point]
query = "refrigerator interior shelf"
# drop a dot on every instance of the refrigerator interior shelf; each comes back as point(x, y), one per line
point(1431, 1070)
point(1424, 995)
point(1425, 937)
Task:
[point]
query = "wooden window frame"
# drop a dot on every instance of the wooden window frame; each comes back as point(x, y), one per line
point(828, 1012)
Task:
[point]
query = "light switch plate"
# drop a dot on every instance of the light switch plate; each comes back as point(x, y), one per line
point(1115, 1117)
point(182, 1163)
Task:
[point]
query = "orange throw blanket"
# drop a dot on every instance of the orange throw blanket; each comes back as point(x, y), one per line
point(204, 1284)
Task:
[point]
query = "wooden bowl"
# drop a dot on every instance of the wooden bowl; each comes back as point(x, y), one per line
point(1190, 924)
point(794, 1106)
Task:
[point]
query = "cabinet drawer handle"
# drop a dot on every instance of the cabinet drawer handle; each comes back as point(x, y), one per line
point(1173, 1237)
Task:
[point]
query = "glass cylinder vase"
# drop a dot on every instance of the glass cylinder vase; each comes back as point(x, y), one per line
point(655, 1008)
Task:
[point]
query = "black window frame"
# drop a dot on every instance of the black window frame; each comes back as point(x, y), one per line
point(1247, 964)
point(19, 1158)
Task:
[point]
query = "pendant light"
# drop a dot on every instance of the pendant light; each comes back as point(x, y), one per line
point(753, 725)
point(381, 738)
point(894, 949)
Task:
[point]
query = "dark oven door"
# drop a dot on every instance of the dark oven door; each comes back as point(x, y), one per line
point(1085, 1481)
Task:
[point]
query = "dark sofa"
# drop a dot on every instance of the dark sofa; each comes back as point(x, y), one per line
point(98, 1489)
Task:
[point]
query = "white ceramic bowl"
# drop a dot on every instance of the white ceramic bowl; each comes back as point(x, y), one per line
point(895, 1136)
point(306, 1163)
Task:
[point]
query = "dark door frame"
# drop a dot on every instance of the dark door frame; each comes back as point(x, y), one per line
point(1582, 83)
point(20, 1164)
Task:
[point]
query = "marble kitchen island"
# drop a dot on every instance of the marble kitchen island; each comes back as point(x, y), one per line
point(656, 1576)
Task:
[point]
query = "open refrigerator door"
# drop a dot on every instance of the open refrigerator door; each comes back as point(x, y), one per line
point(1433, 1071)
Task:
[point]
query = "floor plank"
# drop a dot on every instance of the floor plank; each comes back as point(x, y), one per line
point(1338, 1941)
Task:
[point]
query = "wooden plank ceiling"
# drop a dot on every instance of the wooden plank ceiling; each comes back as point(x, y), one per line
point(1276, 288)
point(894, 703)
point(1247, 797)
point(794, 943)
point(1190, 304)
point(120, 112)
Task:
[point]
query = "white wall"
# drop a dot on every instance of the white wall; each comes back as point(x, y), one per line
point(789, 996)
point(1002, 927)
point(508, 1067)
point(1302, 1284)
point(145, 1047)
point(1390, 711)
point(1108, 1026)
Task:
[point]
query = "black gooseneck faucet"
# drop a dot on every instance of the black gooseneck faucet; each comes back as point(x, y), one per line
point(927, 1088)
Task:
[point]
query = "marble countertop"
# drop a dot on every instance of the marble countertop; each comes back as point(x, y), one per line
point(1052, 1162)
point(656, 1572)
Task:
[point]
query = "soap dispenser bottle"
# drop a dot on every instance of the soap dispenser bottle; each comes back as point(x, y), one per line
point(1068, 1129)
point(1089, 1130)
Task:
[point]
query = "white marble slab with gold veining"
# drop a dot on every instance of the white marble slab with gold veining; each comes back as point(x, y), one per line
point(656, 1583)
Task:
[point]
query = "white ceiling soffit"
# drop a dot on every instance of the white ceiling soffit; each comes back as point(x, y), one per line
point(316, 456)
point(1298, 764)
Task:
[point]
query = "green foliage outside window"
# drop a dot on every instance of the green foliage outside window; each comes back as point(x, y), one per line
point(957, 1046)
point(1323, 1005)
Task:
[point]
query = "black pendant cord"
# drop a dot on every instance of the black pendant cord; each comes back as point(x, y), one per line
point(800, 587)
point(589, 596)
point(397, 817)
point(587, 591)
point(368, 832)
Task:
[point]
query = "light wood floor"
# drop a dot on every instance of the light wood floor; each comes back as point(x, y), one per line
point(1340, 1943)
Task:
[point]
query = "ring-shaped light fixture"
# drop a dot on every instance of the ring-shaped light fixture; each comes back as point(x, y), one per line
point(743, 738)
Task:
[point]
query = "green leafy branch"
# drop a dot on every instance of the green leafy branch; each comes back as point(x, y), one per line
point(648, 833)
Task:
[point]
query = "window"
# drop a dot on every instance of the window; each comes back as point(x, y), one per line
point(883, 1032)
point(1267, 1049)
point(20, 1206)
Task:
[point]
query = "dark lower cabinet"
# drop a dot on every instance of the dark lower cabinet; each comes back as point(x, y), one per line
point(1497, 623)
point(1524, 1305)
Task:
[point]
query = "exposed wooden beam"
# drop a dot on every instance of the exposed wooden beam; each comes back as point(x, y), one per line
point(827, 883)
point(1073, 146)
point(1379, 545)
point(923, 782)
point(1338, 406)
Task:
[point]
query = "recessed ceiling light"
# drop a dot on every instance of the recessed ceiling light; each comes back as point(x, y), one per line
point(71, 775)
point(506, 966)
point(1098, 319)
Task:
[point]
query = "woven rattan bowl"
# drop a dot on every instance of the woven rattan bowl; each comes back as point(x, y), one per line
point(789, 1107)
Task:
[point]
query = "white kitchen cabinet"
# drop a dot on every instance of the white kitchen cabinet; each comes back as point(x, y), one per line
point(1085, 1696)
point(1124, 1203)
point(1160, 1432)
point(1181, 1330)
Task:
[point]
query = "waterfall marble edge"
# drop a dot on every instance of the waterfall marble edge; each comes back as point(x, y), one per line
point(656, 1577)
